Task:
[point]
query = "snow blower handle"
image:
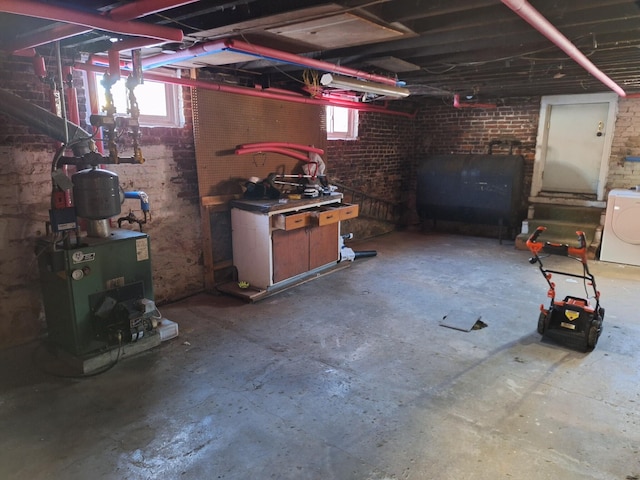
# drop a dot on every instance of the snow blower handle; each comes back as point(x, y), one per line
point(558, 248)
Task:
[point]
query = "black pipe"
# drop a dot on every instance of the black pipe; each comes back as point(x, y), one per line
point(45, 122)
point(366, 253)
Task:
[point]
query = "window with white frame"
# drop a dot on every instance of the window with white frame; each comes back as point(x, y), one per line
point(159, 103)
point(342, 123)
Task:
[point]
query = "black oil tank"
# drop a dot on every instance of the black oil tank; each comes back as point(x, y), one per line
point(471, 188)
point(96, 194)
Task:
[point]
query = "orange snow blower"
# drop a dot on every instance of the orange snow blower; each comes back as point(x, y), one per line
point(572, 321)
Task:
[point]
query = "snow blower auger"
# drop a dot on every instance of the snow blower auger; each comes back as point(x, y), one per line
point(572, 321)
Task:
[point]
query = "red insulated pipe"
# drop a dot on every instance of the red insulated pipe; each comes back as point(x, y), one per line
point(295, 146)
point(252, 92)
point(114, 64)
point(263, 52)
point(308, 62)
point(282, 151)
point(534, 18)
point(31, 8)
point(128, 11)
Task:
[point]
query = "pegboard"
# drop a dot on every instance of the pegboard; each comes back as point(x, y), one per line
point(222, 121)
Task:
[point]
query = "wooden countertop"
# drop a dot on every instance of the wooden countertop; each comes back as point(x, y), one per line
point(283, 204)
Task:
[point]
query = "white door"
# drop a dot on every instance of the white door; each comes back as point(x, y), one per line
point(575, 144)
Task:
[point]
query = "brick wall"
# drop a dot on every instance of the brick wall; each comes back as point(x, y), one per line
point(447, 130)
point(383, 161)
point(168, 176)
point(626, 142)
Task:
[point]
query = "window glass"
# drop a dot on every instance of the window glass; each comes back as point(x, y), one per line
point(158, 102)
point(342, 123)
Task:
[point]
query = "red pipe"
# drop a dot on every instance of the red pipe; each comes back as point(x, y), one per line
point(31, 8)
point(307, 62)
point(537, 21)
point(263, 52)
point(114, 64)
point(282, 151)
point(128, 11)
point(295, 146)
point(186, 82)
point(39, 66)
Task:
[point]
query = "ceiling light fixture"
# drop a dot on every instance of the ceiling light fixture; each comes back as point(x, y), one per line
point(338, 81)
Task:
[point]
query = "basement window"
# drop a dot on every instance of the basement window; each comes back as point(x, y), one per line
point(342, 123)
point(159, 103)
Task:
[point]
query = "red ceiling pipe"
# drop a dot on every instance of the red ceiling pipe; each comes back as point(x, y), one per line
point(295, 146)
point(262, 52)
point(252, 92)
point(266, 52)
point(31, 8)
point(128, 11)
point(537, 21)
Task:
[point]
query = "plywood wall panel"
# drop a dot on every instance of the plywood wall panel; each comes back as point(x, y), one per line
point(222, 121)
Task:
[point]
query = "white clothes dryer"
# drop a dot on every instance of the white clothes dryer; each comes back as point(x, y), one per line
point(621, 236)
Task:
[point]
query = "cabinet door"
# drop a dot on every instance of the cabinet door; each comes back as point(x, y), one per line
point(290, 253)
point(323, 245)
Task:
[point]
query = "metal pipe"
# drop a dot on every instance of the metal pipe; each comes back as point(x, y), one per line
point(63, 103)
point(45, 122)
point(252, 92)
point(262, 52)
point(31, 8)
point(540, 23)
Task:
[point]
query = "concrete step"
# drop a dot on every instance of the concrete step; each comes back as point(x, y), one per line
point(567, 213)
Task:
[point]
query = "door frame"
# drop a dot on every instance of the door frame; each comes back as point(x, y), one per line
point(546, 104)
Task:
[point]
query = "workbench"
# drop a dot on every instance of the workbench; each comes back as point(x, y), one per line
point(279, 243)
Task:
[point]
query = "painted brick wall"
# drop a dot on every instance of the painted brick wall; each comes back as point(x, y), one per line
point(168, 176)
point(626, 142)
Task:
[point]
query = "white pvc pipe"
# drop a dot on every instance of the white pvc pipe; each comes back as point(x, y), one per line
point(540, 23)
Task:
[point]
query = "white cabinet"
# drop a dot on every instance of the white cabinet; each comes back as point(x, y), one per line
point(278, 243)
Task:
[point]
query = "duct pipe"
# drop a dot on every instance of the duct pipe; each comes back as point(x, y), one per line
point(540, 23)
point(261, 52)
point(252, 92)
point(45, 122)
point(31, 8)
point(125, 12)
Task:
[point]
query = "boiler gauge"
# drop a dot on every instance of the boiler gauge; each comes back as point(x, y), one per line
point(77, 256)
point(77, 274)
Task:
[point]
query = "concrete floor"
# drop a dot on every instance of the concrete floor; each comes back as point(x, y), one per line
point(350, 377)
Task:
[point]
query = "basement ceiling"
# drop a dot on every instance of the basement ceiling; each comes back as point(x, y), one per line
point(479, 49)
